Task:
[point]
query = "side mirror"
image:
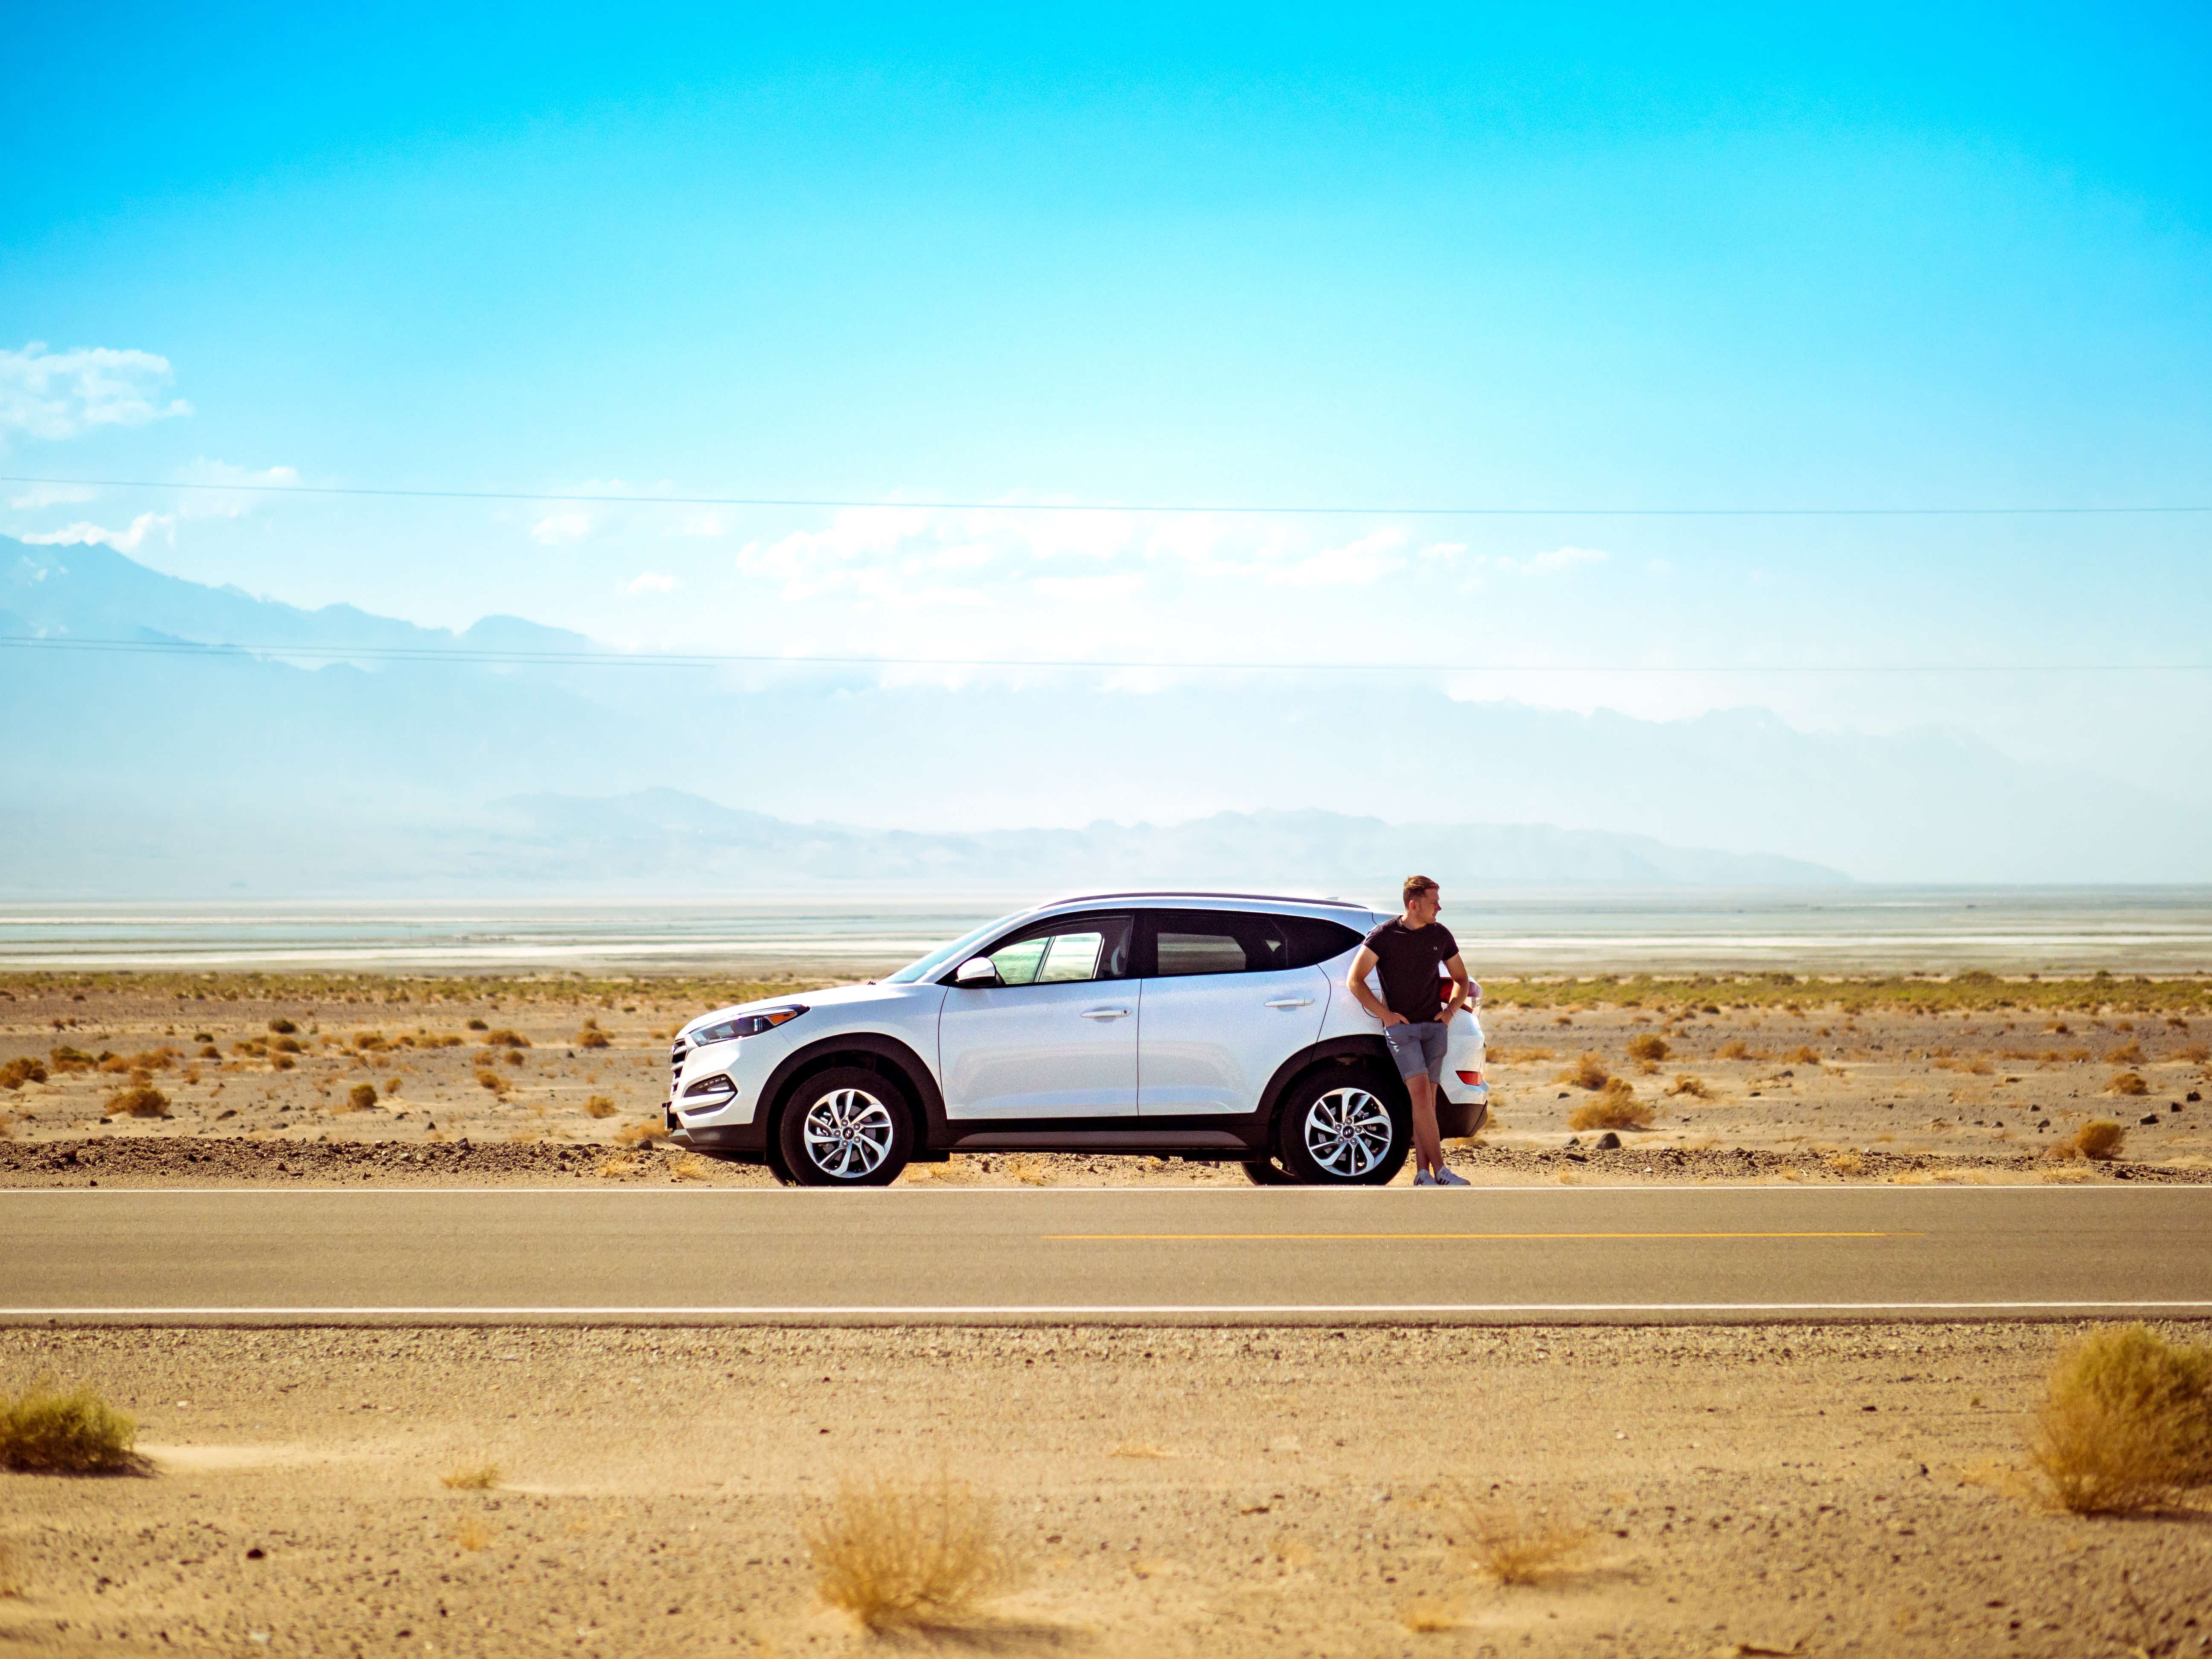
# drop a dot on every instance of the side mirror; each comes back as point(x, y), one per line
point(975, 973)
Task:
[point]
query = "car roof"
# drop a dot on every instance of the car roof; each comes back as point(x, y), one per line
point(1172, 898)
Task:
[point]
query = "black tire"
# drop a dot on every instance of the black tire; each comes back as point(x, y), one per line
point(1345, 1125)
point(1263, 1172)
point(846, 1126)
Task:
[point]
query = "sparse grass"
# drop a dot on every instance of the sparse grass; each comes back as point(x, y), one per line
point(2125, 1422)
point(2127, 1082)
point(2100, 1140)
point(1523, 1057)
point(1587, 1072)
point(471, 1535)
point(471, 1477)
point(1027, 1167)
point(2129, 1053)
point(1616, 1107)
point(2197, 1053)
point(645, 1134)
point(620, 1164)
point(1513, 1549)
point(1648, 1046)
point(1426, 1617)
point(690, 1167)
point(1696, 1087)
point(1735, 1048)
point(140, 1100)
point(912, 1557)
point(1846, 1164)
point(598, 1106)
point(360, 1098)
point(45, 1431)
point(16, 1072)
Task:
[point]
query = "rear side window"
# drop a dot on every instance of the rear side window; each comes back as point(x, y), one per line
point(1186, 942)
point(1309, 941)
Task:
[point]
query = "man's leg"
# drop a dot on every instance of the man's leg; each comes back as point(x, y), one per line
point(1428, 1145)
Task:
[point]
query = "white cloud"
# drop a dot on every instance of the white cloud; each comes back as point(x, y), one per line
point(61, 394)
point(227, 504)
point(40, 496)
point(122, 541)
point(652, 581)
point(558, 529)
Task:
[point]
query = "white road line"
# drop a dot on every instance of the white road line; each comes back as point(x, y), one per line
point(1149, 1309)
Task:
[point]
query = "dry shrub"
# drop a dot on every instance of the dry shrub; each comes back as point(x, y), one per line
point(620, 1164)
point(360, 1098)
point(1648, 1045)
point(1847, 1163)
point(504, 1038)
point(2125, 1422)
point(2101, 1140)
point(471, 1535)
point(140, 1100)
point(491, 1080)
point(690, 1167)
point(48, 1432)
point(1587, 1072)
point(592, 1037)
point(2127, 1082)
point(1695, 1087)
point(1518, 1549)
point(66, 1059)
point(1523, 1057)
point(1735, 1048)
point(285, 1045)
point(1027, 1168)
point(2076, 1054)
point(598, 1106)
point(1426, 1617)
point(2128, 1054)
point(652, 1129)
point(2197, 1053)
point(209, 1051)
point(16, 1072)
point(478, 1477)
point(1615, 1108)
point(282, 1027)
point(900, 1557)
point(478, 1025)
point(1803, 1056)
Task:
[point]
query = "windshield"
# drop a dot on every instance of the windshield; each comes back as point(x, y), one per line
point(945, 955)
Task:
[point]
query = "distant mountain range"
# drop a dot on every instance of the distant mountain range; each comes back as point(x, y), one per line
point(150, 775)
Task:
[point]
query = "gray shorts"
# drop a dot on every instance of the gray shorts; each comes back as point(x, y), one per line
point(1418, 1048)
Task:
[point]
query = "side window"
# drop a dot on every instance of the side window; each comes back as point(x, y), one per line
point(1186, 942)
point(1066, 952)
point(1311, 942)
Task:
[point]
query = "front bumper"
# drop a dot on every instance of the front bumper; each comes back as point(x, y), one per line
point(735, 1143)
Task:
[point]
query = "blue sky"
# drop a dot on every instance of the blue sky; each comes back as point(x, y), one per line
point(1629, 257)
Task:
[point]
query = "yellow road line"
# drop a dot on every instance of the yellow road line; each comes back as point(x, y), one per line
point(1216, 1238)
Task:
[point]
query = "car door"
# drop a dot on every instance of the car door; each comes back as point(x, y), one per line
point(1056, 1037)
point(1224, 1003)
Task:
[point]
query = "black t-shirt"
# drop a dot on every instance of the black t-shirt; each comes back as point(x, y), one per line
point(1406, 960)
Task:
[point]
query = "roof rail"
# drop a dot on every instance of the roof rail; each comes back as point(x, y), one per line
point(1203, 893)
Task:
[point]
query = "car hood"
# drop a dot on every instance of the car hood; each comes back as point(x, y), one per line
point(834, 996)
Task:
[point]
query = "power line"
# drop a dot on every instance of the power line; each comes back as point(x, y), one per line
point(468, 655)
point(1221, 507)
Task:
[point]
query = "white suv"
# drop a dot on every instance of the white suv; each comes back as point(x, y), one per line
point(1195, 1025)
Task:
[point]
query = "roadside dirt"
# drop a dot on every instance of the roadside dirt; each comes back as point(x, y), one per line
point(1808, 1092)
point(1745, 1491)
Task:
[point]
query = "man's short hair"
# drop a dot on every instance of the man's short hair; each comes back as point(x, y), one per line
point(1415, 886)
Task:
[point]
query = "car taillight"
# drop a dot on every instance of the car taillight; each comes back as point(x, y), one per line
point(1470, 1079)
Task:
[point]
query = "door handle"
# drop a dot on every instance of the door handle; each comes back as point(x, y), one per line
point(1290, 1002)
point(1105, 1013)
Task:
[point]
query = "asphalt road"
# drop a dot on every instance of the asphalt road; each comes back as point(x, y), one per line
point(1483, 1255)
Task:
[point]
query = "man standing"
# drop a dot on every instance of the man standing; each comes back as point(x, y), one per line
point(1408, 949)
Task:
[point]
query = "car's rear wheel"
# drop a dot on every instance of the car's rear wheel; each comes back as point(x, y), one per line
point(1344, 1127)
point(1265, 1172)
point(847, 1126)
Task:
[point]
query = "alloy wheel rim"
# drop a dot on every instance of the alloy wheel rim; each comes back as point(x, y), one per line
point(1347, 1131)
point(848, 1134)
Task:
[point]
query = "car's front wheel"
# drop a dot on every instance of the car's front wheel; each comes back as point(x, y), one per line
point(1344, 1127)
point(846, 1127)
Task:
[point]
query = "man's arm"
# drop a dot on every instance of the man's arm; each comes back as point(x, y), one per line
point(1459, 997)
point(1356, 981)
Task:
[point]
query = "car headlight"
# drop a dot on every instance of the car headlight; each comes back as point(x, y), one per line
point(744, 1025)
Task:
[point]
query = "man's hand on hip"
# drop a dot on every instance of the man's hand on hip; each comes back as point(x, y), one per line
point(1392, 1017)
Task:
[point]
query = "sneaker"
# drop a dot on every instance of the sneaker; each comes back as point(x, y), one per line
point(1422, 1178)
point(1446, 1178)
